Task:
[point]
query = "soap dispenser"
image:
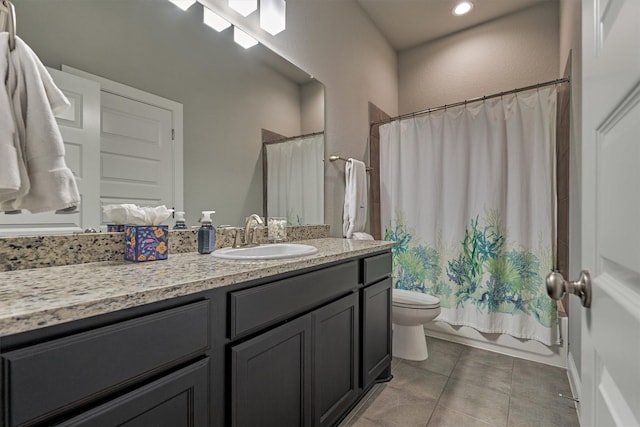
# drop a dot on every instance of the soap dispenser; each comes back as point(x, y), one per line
point(206, 234)
point(181, 224)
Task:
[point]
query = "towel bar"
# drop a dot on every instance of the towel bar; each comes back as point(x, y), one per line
point(333, 158)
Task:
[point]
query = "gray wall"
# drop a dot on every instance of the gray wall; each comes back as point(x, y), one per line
point(337, 43)
point(312, 108)
point(153, 46)
point(513, 51)
point(570, 40)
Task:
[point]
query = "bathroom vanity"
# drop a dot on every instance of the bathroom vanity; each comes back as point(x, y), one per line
point(196, 341)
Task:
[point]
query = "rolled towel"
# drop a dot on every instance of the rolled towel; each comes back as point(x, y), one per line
point(361, 235)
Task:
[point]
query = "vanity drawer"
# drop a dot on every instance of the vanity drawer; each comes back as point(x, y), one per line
point(256, 308)
point(377, 267)
point(48, 378)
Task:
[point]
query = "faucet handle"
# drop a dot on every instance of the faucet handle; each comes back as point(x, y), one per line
point(229, 228)
point(254, 237)
point(235, 239)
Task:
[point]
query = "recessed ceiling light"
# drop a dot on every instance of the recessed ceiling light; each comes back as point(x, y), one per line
point(183, 4)
point(243, 39)
point(215, 21)
point(244, 7)
point(273, 16)
point(462, 8)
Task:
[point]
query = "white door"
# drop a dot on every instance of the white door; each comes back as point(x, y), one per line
point(611, 212)
point(136, 153)
point(80, 128)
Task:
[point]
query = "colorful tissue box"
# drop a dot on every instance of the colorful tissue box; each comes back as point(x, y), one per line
point(146, 242)
point(115, 228)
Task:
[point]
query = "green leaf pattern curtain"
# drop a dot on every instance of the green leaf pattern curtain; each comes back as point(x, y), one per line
point(469, 196)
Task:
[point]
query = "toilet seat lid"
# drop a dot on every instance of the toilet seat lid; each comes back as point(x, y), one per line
point(412, 299)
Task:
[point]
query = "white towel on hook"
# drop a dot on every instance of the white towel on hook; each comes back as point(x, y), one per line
point(35, 99)
point(13, 175)
point(355, 198)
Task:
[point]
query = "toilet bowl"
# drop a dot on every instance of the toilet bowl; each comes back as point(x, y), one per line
point(410, 311)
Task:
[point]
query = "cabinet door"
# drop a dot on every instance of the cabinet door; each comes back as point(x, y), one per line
point(376, 330)
point(179, 399)
point(271, 377)
point(53, 377)
point(335, 366)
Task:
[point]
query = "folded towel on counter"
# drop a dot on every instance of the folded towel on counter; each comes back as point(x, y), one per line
point(355, 198)
point(359, 235)
point(35, 100)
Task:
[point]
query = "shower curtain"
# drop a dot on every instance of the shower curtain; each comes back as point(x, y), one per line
point(295, 180)
point(468, 194)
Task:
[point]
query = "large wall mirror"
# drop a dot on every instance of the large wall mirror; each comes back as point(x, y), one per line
point(294, 177)
point(230, 97)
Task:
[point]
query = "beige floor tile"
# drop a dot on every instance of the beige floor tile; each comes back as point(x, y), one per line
point(395, 407)
point(443, 356)
point(489, 358)
point(476, 401)
point(540, 382)
point(524, 412)
point(482, 374)
point(463, 386)
point(445, 417)
point(418, 382)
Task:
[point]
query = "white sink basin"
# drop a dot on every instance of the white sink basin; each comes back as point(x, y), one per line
point(273, 251)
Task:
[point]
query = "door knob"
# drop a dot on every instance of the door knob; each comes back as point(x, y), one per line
point(557, 286)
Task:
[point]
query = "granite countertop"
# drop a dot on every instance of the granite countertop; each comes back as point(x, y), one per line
point(35, 298)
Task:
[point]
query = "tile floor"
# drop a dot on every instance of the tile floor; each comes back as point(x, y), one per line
point(462, 386)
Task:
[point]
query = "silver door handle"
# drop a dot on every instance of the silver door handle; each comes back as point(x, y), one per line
point(557, 286)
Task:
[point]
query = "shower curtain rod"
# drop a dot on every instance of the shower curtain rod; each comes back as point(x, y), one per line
point(288, 138)
point(467, 101)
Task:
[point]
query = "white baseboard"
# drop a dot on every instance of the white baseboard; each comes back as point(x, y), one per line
point(575, 382)
point(500, 343)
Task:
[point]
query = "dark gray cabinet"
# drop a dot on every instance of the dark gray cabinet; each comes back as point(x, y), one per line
point(271, 377)
point(175, 400)
point(376, 303)
point(298, 349)
point(48, 379)
point(335, 364)
point(302, 373)
point(375, 306)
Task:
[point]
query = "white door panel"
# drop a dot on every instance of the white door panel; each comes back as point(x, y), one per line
point(611, 212)
point(80, 129)
point(141, 145)
point(136, 160)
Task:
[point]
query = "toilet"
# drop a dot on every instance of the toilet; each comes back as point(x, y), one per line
point(411, 310)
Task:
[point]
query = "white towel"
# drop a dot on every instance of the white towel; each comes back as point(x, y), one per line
point(360, 235)
point(13, 174)
point(355, 198)
point(35, 100)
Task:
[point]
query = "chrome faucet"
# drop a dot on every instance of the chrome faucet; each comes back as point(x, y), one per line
point(249, 227)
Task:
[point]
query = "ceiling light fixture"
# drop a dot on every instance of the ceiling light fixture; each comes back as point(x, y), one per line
point(215, 21)
point(462, 8)
point(243, 39)
point(183, 4)
point(244, 7)
point(273, 16)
